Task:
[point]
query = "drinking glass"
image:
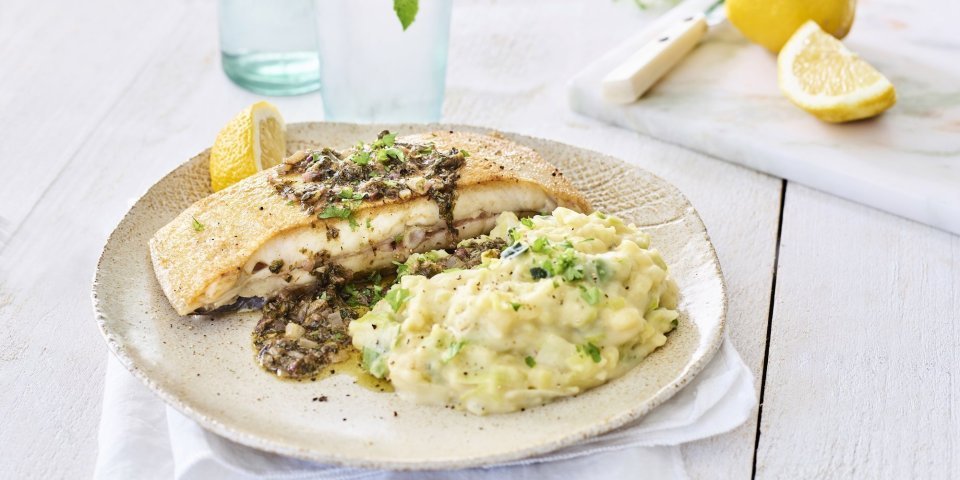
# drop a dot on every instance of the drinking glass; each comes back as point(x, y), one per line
point(270, 47)
point(372, 70)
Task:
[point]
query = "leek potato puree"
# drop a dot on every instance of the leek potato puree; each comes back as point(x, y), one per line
point(574, 301)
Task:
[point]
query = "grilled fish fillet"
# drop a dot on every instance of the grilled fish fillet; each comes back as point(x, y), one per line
point(248, 241)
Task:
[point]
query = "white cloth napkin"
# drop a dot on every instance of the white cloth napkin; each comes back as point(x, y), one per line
point(142, 438)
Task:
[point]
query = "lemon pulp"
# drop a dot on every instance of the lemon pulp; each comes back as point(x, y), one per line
point(820, 75)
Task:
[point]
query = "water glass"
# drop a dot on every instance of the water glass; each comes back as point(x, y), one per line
point(372, 70)
point(270, 47)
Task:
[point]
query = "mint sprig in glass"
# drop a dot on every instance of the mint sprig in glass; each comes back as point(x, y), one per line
point(406, 11)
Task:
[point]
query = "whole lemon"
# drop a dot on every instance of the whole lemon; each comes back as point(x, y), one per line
point(771, 22)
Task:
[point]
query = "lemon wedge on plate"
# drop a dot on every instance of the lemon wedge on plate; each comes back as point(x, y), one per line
point(819, 74)
point(253, 140)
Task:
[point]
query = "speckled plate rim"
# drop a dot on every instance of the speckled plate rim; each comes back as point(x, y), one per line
point(691, 370)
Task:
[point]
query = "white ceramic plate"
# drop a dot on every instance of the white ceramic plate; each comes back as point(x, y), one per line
point(205, 368)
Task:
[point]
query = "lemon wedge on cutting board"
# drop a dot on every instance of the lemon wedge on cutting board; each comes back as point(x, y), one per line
point(253, 140)
point(818, 74)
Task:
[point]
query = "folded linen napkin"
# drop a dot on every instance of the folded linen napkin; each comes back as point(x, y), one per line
point(142, 438)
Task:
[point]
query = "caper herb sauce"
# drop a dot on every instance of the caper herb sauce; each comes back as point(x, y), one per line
point(304, 330)
point(334, 183)
point(303, 335)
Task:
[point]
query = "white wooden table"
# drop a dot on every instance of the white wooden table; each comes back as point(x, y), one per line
point(849, 317)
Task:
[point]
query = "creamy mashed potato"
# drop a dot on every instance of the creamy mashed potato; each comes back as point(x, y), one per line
point(574, 301)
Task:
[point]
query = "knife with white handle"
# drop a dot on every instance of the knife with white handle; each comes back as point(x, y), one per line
point(629, 81)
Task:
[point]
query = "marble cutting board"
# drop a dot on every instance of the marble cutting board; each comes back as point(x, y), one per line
point(723, 100)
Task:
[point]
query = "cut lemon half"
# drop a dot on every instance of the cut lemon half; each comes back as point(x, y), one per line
point(819, 75)
point(252, 141)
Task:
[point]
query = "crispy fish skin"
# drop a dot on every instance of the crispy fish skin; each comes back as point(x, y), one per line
point(239, 220)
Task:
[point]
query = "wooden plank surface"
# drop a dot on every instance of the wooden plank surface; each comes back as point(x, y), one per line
point(863, 365)
point(743, 227)
point(65, 64)
point(52, 349)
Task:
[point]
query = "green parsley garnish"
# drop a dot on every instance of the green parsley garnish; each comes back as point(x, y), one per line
point(591, 350)
point(375, 292)
point(530, 361)
point(527, 222)
point(347, 193)
point(362, 157)
point(547, 266)
point(539, 245)
point(333, 211)
point(402, 269)
point(591, 294)
point(388, 153)
point(452, 350)
point(516, 306)
point(197, 226)
point(567, 266)
point(396, 297)
point(674, 323)
point(352, 295)
point(603, 272)
point(386, 140)
point(538, 273)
